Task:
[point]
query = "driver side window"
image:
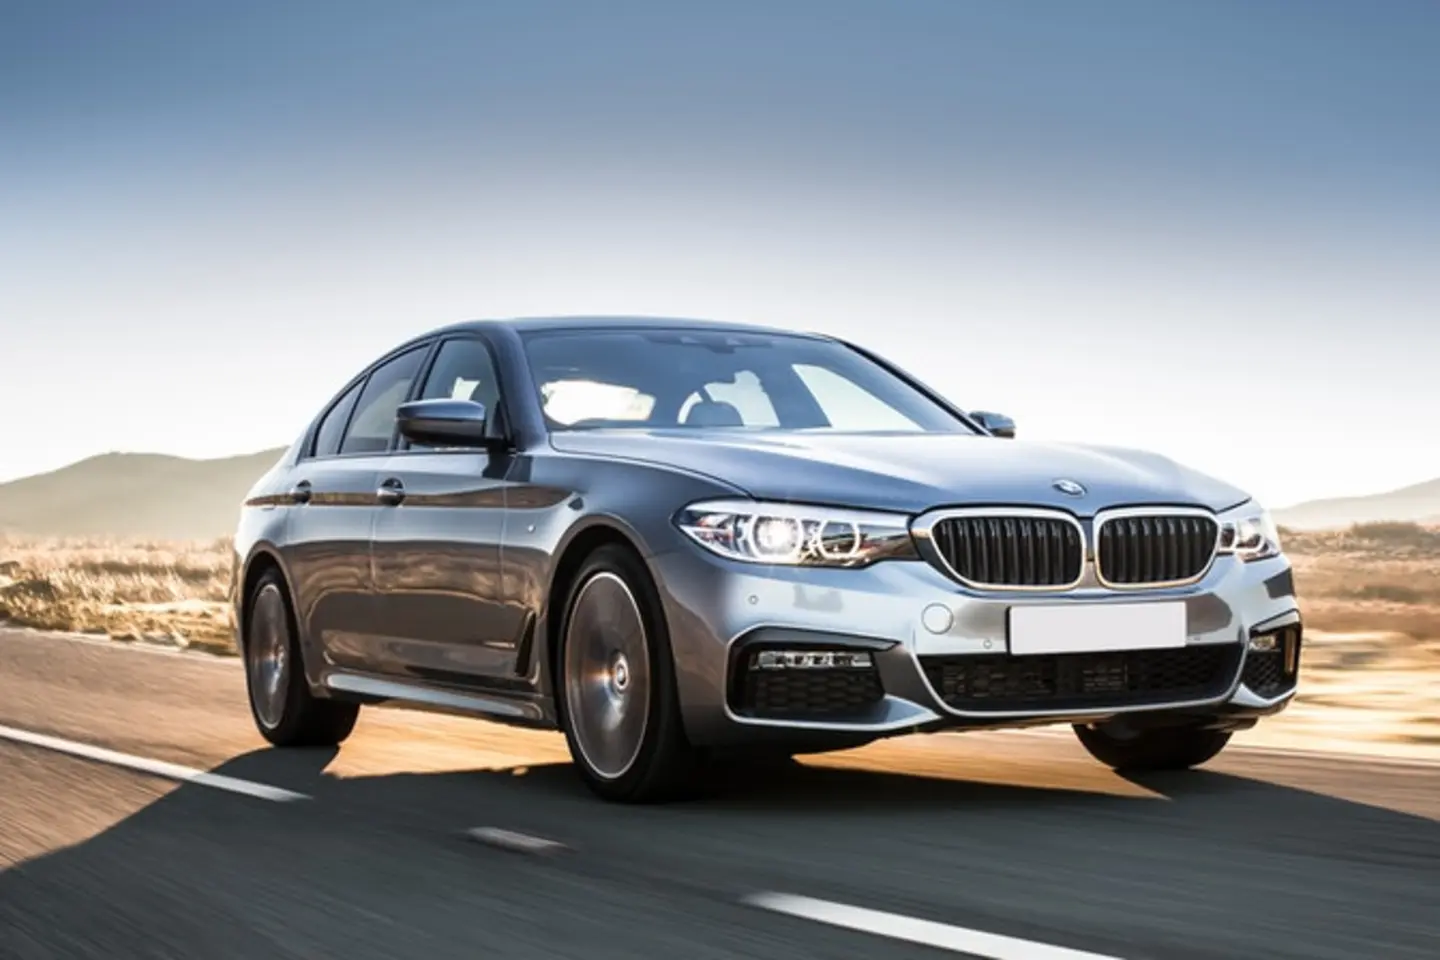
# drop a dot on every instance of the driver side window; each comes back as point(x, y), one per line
point(464, 369)
point(373, 425)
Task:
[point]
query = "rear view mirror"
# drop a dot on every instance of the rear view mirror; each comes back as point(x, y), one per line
point(445, 423)
point(996, 424)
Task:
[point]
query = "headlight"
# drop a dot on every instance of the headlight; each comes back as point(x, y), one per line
point(797, 536)
point(1249, 533)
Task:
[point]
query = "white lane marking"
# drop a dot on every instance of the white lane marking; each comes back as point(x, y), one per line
point(927, 932)
point(511, 840)
point(159, 768)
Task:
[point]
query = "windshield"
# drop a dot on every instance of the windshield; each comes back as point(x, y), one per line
point(655, 379)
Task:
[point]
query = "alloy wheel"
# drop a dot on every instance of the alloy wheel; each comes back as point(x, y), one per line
point(607, 675)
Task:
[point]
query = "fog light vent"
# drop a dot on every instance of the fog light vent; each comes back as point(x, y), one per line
point(1272, 666)
point(811, 660)
point(806, 684)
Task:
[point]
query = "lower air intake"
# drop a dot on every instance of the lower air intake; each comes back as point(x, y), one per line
point(1001, 683)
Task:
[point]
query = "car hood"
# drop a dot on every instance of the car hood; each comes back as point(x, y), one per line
point(911, 473)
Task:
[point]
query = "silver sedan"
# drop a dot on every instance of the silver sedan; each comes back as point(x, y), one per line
point(677, 541)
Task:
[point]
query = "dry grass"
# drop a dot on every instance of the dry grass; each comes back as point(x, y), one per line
point(168, 592)
point(1371, 675)
point(1373, 577)
point(1370, 594)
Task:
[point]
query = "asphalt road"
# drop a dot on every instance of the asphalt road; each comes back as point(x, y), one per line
point(1002, 846)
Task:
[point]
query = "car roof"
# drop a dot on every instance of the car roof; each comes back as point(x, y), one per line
point(606, 322)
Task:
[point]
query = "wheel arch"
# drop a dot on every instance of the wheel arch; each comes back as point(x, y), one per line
point(262, 559)
point(580, 543)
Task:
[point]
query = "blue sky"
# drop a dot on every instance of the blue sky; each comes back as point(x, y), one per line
point(1210, 229)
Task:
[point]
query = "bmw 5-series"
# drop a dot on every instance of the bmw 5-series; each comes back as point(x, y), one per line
point(677, 540)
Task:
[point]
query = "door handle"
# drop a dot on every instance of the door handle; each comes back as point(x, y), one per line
point(301, 492)
point(391, 492)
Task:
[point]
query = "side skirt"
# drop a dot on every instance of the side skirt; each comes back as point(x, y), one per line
point(501, 706)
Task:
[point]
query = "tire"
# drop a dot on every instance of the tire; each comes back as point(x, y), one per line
point(623, 726)
point(1162, 748)
point(285, 711)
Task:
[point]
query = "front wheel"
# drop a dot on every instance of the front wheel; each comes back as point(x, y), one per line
point(618, 702)
point(1160, 748)
point(286, 713)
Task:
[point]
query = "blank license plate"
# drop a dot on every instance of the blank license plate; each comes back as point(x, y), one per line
point(1090, 627)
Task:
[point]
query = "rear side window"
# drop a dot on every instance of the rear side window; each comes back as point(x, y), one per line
point(332, 426)
point(374, 422)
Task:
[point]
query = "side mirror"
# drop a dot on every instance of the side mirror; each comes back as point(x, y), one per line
point(446, 423)
point(996, 424)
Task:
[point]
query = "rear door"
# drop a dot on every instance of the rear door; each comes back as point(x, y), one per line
point(333, 515)
point(441, 599)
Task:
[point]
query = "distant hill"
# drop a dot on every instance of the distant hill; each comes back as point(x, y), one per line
point(1416, 504)
point(141, 495)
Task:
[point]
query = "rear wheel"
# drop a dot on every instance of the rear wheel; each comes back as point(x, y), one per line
point(617, 696)
point(286, 713)
point(1160, 748)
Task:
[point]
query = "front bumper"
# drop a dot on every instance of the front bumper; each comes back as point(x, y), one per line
point(938, 654)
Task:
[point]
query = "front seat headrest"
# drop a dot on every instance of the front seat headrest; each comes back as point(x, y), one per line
point(714, 413)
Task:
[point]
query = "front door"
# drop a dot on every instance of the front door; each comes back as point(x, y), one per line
point(435, 554)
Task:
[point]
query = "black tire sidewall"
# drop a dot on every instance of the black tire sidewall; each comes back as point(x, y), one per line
point(306, 720)
point(1172, 748)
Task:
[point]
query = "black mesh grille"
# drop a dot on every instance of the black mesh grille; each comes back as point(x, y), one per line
point(1157, 548)
point(1001, 683)
point(1269, 673)
point(1011, 551)
point(804, 693)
